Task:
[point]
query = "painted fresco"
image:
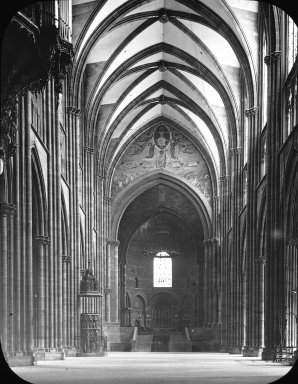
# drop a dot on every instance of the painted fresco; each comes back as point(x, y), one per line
point(162, 148)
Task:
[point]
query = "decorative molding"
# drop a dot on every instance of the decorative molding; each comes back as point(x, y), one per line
point(66, 258)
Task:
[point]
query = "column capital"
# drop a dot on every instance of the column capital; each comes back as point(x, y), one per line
point(215, 197)
point(236, 150)
point(73, 111)
point(275, 55)
point(100, 177)
point(260, 260)
point(7, 208)
point(293, 241)
point(107, 199)
point(241, 273)
point(66, 258)
point(206, 242)
point(251, 111)
point(89, 149)
point(45, 240)
point(224, 178)
point(267, 59)
point(112, 241)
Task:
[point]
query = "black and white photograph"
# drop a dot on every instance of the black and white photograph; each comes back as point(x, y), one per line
point(149, 192)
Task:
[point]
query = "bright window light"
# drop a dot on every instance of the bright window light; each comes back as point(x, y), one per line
point(162, 267)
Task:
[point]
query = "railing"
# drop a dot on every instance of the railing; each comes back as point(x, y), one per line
point(92, 343)
point(284, 355)
point(134, 340)
point(186, 331)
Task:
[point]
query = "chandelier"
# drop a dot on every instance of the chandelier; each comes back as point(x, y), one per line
point(164, 249)
point(161, 252)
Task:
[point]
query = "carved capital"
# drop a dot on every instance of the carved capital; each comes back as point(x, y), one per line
point(44, 240)
point(260, 260)
point(293, 241)
point(251, 111)
point(241, 273)
point(275, 55)
point(89, 149)
point(7, 209)
point(207, 242)
point(267, 59)
point(113, 242)
point(107, 199)
point(236, 150)
point(73, 111)
point(66, 258)
point(224, 178)
point(215, 198)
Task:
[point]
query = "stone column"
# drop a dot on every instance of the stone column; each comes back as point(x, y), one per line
point(5, 211)
point(114, 281)
point(66, 259)
point(214, 282)
point(275, 292)
point(107, 289)
point(252, 176)
point(11, 278)
point(75, 184)
point(224, 212)
point(236, 256)
point(207, 298)
point(41, 244)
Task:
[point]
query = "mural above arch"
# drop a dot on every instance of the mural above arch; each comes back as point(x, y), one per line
point(162, 148)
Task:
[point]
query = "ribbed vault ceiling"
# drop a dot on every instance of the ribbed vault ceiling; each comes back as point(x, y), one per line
point(179, 61)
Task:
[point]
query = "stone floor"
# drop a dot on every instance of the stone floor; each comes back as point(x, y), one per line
point(154, 368)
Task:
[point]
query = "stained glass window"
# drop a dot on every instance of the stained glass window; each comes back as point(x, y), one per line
point(162, 270)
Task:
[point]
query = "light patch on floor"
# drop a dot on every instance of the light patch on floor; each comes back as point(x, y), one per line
point(154, 368)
